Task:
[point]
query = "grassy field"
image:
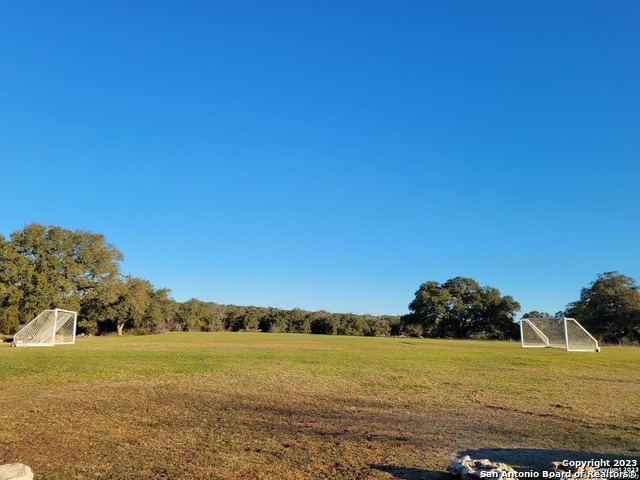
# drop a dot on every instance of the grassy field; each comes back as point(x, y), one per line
point(286, 406)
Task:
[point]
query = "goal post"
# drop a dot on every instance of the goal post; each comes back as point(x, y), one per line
point(556, 332)
point(51, 327)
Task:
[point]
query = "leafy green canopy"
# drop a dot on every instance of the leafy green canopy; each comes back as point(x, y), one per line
point(53, 267)
point(609, 308)
point(460, 308)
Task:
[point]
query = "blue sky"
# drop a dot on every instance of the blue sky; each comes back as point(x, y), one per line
point(330, 155)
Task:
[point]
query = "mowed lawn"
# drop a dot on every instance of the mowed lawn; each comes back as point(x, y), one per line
point(288, 406)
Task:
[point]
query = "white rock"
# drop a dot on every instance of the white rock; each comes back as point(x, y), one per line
point(15, 471)
point(466, 468)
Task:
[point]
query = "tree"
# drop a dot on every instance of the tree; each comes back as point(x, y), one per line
point(351, 324)
point(249, 320)
point(56, 267)
point(275, 321)
point(324, 323)
point(497, 316)
point(609, 308)
point(11, 265)
point(377, 326)
point(130, 303)
point(239, 319)
point(200, 316)
point(125, 305)
point(161, 313)
point(299, 321)
point(9, 322)
point(460, 307)
point(97, 308)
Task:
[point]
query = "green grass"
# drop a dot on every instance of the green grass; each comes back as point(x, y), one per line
point(251, 405)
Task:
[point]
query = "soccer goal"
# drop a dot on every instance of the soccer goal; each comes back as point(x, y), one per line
point(557, 332)
point(51, 327)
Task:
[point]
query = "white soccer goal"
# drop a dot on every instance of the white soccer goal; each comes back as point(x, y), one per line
point(557, 332)
point(51, 327)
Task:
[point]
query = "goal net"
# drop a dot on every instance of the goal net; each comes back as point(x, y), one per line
point(51, 327)
point(558, 332)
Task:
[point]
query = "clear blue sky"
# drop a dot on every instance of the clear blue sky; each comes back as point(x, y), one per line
point(330, 155)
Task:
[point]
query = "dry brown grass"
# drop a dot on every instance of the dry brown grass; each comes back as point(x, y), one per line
point(270, 406)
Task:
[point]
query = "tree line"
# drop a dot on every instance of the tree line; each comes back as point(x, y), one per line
point(609, 308)
point(52, 267)
point(45, 267)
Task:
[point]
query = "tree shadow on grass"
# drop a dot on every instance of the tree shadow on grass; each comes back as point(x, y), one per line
point(538, 459)
point(405, 473)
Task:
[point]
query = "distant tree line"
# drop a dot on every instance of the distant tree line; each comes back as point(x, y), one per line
point(196, 315)
point(53, 267)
